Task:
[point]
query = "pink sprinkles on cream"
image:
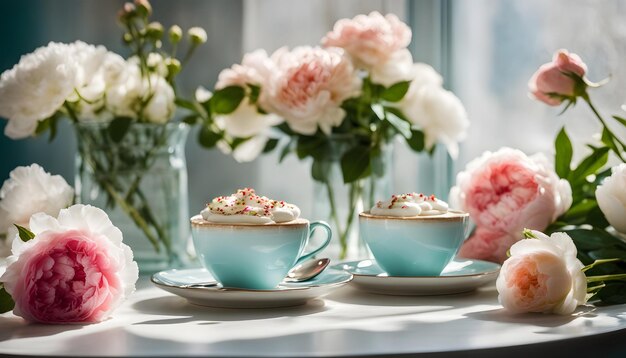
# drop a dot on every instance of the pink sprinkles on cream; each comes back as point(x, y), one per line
point(408, 197)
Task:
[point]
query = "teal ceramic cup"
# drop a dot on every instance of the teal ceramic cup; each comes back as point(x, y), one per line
point(253, 256)
point(414, 246)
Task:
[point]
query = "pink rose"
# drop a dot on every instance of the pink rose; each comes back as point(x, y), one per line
point(76, 269)
point(552, 82)
point(505, 192)
point(542, 275)
point(371, 40)
point(255, 68)
point(310, 86)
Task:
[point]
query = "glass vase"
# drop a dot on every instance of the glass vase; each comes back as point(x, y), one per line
point(340, 203)
point(140, 180)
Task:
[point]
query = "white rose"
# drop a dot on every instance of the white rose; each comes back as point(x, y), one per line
point(611, 196)
point(310, 86)
point(202, 94)
point(31, 190)
point(162, 104)
point(36, 88)
point(438, 113)
point(398, 68)
point(246, 121)
point(542, 275)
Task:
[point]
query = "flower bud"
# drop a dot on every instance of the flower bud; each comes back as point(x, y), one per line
point(154, 30)
point(127, 11)
point(173, 66)
point(127, 38)
point(176, 34)
point(143, 7)
point(197, 35)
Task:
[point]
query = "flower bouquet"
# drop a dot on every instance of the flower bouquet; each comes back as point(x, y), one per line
point(340, 105)
point(130, 150)
point(581, 207)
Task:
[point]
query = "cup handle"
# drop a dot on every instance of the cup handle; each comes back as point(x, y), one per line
point(329, 235)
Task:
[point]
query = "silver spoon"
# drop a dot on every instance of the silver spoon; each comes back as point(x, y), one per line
point(302, 272)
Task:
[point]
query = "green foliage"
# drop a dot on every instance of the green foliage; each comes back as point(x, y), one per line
point(207, 137)
point(24, 233)
point(270, 145)
point(118, 128)
point(355, 163)
point(6, 302)
point(227, 99)
point(396, 92)
point(564, 152)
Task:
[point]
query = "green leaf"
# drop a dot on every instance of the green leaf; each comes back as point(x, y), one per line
point(355, 163)
point(613, 293)
point(255, 91)
point(403, 127)
point(227, 99)
point(313, 146)
point(396, 92)
point(270, 145)
point(620, 119)
point(589, 165)
point(6, 302)
point(564, 153)
point(118, 128)
point(207, 138)
point(285, 151)
point(182, 103)
point(25, 234)
point(379, 110)
point(191, 119)
point(416, 142)
point(320, 170)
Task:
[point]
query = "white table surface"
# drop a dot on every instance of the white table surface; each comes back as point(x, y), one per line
point(348, 322)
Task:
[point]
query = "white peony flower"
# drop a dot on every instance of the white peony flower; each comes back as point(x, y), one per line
point(246, 121)
point(202, 94)
point(542, 275)
point(125, 97)
point(438, 113)
point(398, 68)
point(309, 87)
point(161, 105)
point(31, 190)
point(611, 196)
point(36, 88)
point(197, 35)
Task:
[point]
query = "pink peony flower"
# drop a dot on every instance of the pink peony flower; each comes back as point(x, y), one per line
point(542, 275)
point(370, 40)
point(76, 269)
point(505, 192)
point(310, 86)
point(554, 78)
point(255, 68)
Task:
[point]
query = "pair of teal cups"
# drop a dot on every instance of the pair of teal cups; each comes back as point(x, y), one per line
point(259, 256)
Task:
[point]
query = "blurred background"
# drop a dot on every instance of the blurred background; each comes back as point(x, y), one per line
point(485, 49)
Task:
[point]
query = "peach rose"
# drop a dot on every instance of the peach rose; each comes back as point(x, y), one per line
point(371, 40)
point(552, 83)
point(504, 192)
point(542, 275)
point(75, 269)
point(309, 87)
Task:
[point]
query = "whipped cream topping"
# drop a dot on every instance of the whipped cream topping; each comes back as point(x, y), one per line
point(246, 207)
point(410, 204)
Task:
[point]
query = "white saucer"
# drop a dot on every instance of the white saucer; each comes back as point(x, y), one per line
point(285, 295)
point(461, 275)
